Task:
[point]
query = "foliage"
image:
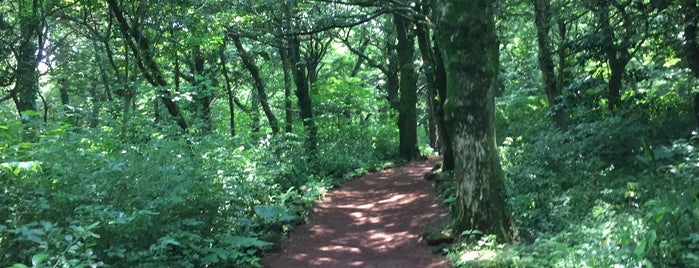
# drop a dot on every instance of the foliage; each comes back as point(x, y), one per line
point(609, 192)
point(87, 198)
point(108, 179)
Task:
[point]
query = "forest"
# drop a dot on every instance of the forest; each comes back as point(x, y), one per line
point(196, 133)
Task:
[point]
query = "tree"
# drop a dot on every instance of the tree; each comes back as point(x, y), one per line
point(386, 44)
point(299, 69)
point(622, 28)
point(141, 48)
point(433, 68)
point(249, 64)
point(407, 110)
point(466, 37)
point(552, 87)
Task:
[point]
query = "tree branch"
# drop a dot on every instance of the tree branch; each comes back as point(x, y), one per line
point(361, 54)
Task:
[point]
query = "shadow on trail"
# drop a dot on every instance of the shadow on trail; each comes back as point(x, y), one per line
point(373, 221)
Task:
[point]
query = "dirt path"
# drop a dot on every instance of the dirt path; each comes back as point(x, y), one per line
point(374, 221)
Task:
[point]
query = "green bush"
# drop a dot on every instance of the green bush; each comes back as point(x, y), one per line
point(88, 197)
point(609, 191)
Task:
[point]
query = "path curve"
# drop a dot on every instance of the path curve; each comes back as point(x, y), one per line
point(373, 221)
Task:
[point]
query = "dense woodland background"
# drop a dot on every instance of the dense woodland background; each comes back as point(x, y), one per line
point(193, 133)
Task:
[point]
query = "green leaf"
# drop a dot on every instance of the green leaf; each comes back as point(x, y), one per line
point(268, 212)
point(170, 241)
point(38, 259)
point(641, 250)
point(211, 258)
point(30, 113)
point(246, 241)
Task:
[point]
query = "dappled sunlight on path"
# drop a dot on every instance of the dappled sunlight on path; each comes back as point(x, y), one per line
point(373, 221)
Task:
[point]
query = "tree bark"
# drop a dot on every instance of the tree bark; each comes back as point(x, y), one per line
point(466, 35)
point(249, 64)
point(407, 113)
point(542, 14)
point(288, 112)
point(303, 95)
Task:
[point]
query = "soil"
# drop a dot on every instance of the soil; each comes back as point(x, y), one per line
point(377, 220)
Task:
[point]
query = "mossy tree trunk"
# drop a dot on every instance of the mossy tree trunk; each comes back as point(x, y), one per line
point(466, 36)
point(407, 110)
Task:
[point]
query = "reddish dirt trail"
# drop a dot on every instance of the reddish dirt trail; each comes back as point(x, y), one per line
point(373, 221)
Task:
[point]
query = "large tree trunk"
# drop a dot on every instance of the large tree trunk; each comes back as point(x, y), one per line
point(407, 112)
point(542, 12)
point(249, 64)
point(467, 39)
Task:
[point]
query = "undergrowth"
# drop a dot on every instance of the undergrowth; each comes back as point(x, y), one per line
point(613, 190)
point(87, 198)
